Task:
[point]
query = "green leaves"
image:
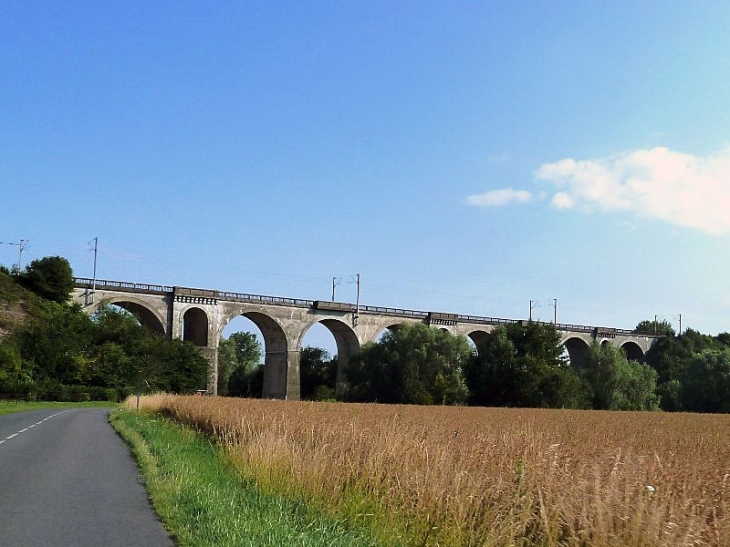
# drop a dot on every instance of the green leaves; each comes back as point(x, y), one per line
point(706, 382)
point(239, 370)
point(62, 346)
point(617, 383)
point(522, 365)
point(318, 374)
point(50, 277)
point(411, 364)
point(655, 327)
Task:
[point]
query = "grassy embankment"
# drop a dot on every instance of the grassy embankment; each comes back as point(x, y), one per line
point(9, 407)
point(470, 476)
point(203, 502)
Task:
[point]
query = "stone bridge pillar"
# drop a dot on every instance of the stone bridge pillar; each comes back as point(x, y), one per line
point(194, 317)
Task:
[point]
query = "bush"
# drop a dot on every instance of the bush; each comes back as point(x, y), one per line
point(617, 383)
point(412, 364)
point(50, 277)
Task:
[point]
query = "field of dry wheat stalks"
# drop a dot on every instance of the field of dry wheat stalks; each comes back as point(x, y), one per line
point(484, 476)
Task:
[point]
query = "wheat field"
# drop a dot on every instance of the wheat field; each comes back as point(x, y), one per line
point(483, 476)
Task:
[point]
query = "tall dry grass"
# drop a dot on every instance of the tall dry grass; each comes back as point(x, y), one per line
point(492, 477)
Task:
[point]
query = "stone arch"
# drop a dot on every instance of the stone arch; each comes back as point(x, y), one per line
point(276, 352)
point(348, 345)
point(479, 337)
point(195, 326)
point(577, 349)
point(389, 326)
point(147, 316)
point(633, 351)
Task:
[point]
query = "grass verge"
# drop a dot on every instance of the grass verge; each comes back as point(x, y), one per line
point(9, 407)
point(202, 501)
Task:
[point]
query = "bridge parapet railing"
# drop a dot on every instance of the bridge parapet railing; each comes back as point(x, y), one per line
point(486, 320)
point(100, 284)
point(88, 283)
point(573, 328)
point(394, 311)
point(261, 299)
point(599, 331)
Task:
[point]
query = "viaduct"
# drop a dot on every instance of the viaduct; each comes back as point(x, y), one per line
point(200, 315)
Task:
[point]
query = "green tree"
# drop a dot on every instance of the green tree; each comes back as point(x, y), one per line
point(662, 327)
point(246, 382)
point(54, 343)
point(50, 277)
point(247, 349)
point(493, 376)
point(175, 366)
point(226, 364)
point(240, 373)
point(705, 384)
point(110, 367)
point(411, 364)
point(61, 353)
point(12, 371)
point(318, 374)
point(616, 383)
point(670, 356)
point(126, 355)
point(523, 365)
point(121, 347)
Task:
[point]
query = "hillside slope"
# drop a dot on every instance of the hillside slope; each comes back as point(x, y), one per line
point(17, 305)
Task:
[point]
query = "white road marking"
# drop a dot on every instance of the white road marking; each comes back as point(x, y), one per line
point(31, 426)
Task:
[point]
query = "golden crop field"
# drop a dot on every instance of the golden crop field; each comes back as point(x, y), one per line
point(484, 476)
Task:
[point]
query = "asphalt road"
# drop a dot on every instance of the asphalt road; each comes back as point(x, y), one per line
point(67, 479)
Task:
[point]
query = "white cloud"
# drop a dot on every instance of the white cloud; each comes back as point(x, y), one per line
point(681, 189)
point(562, 200)
point(498, 198)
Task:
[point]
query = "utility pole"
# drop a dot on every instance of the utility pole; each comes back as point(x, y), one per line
point(555, 311)
point(357, 305)
point(680, 324)
point(21, 248)
point(96, 251)
point(334, 284)
point(533, 304)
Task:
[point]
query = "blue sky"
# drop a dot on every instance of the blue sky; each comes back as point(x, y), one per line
point(460, 156)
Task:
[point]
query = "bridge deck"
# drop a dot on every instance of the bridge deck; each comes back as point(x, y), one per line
point(86, 283)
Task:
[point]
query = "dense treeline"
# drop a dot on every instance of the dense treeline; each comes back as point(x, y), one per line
point(693, 371)
point(517, 365)
point(50, 349)
point(524, 365)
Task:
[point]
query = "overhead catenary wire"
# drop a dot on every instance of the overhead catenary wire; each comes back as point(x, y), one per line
point(384, 289)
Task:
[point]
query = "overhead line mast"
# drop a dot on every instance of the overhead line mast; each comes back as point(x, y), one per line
point(93, 285)
point(21, 248)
